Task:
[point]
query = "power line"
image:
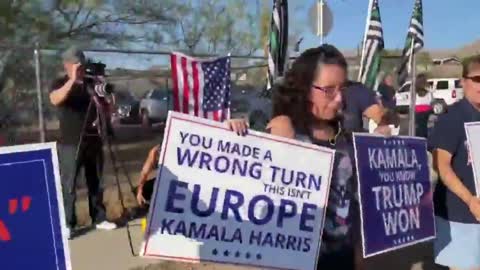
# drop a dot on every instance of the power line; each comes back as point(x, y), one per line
point(151, 52)
point(123, 51)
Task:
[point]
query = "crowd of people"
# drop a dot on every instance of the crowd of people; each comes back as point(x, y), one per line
point(316, 103)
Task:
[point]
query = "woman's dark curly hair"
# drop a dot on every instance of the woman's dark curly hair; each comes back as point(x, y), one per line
point(292, 97)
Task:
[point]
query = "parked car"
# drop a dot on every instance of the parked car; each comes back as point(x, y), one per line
point(126, 108)
point(154, 106)
point(252, 105)
point(446, 91)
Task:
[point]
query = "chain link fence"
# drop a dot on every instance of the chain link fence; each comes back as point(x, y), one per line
point(138, 77)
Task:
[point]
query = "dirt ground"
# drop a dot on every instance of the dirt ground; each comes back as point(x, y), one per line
point(130, 147)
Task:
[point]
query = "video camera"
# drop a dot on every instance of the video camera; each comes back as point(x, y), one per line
point(95, 76)
point(100, 92)
point(95, 69)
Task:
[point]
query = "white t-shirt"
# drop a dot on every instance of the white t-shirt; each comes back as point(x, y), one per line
point(425, 100)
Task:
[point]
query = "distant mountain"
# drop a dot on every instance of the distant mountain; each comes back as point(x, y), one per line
point(465, 51)
point(470, 49)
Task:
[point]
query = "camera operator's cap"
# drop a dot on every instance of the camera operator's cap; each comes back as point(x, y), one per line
point(74, 55)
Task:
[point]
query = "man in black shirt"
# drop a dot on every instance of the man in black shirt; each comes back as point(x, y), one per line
point(387, 93)
point(359, 102)
point(80, 144)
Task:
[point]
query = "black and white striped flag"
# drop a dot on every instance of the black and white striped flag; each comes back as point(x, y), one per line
point(415, 39)
point(277, 48)
point(372, 47)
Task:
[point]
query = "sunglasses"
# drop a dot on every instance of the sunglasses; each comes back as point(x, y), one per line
point(473, 78)
point(329, 91)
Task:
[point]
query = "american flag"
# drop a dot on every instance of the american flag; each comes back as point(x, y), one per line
point(201, 87)
point(415, 38)
point(277, 48)
point(372, 48)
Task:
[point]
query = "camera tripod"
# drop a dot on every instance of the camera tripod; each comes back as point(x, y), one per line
point(106, 136)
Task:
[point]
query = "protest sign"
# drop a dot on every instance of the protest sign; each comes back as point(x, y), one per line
point(254, 200)
point(32, 223)
point(474, 151)
point(396, 199)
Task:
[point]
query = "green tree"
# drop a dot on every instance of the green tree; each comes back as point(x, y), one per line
point(59, 23)
point(211, 26)
point(215, 26)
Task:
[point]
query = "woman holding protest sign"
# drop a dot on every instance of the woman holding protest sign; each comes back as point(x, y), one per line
point(306, 107)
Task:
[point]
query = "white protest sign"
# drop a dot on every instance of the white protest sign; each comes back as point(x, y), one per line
point(474, 151)
point(255, 200)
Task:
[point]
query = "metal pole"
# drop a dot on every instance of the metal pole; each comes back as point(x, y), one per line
point(413, 92)
point(367, 23)
point(320, 16)
point(28, 47)
point(41, 124)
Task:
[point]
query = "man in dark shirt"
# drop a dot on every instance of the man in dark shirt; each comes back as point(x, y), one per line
point(359, 101)
point(80, 144)
point(387, 93)
point(456, 206)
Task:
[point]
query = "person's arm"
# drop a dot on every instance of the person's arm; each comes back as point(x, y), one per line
point(148, 165)
point(281, 126)
point(367, 103)
point(442, 163)
point(375, 112)
point(59, 94)
point(147, 168)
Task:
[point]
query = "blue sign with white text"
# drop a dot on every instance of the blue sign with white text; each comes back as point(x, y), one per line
point(31, 212)
point(395, 192)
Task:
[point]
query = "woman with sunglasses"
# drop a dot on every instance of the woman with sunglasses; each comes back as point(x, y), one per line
point(457, 207)
point(306, 107)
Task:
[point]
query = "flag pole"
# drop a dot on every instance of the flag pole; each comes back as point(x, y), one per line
point(320, 16)
point(413, 94)
point(369, 14)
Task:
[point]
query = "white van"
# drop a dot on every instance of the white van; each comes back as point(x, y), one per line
point(446, 91)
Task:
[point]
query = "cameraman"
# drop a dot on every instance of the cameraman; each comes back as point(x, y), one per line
point(80, 143)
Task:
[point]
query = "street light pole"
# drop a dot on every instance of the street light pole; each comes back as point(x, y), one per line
point(320, 19)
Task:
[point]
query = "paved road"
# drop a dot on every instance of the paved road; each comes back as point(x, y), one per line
point(110, 251)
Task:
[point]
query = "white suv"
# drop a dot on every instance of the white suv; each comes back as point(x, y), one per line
point(446, 91)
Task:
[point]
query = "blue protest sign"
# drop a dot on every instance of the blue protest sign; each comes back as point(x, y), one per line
point(253, 200)
point(32, 224)
point(395, 192)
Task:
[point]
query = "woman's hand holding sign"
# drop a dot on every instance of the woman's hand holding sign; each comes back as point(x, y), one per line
point(383, 130)
point(239, 126)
